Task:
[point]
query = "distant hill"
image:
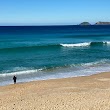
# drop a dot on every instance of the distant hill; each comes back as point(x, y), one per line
point(97, 23)
point(85, 23)
point(102, 23)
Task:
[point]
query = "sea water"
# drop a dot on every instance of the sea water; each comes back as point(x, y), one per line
point(50, 52)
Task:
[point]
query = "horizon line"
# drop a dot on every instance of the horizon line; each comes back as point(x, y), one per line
point(68, 24)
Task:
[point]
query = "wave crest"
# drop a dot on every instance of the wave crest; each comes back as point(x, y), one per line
point(76, 45)
point(85, 44)
point(20, 72)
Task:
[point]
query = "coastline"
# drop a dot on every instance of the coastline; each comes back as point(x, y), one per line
point(81, 93)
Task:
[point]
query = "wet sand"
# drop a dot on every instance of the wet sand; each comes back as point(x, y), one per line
point(80, 93)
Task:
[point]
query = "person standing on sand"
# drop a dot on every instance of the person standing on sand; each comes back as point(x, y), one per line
point(14, 79)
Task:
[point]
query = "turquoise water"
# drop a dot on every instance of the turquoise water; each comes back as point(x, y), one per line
point(50, 52)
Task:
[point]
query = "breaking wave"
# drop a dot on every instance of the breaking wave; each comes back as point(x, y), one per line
point(85, 44)
point(20, 72)
point(74, 67)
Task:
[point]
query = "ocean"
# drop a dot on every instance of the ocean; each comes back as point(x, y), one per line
point(52, 52)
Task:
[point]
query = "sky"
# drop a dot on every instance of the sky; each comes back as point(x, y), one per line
point(53, 12)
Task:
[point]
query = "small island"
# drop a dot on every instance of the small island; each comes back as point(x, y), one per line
point(102, 23)
point(97, 23)
point(85, 23)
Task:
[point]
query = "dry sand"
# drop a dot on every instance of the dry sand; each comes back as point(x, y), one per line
point(81, 93)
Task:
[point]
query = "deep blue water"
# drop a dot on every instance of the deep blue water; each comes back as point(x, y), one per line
point(48, 52)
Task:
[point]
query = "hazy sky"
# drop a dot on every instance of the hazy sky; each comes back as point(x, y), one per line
point(48, 12)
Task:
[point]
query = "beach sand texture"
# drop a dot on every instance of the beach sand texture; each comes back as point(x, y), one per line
point(80, 93)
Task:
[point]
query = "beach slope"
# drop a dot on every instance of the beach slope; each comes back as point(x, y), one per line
point(80, 93)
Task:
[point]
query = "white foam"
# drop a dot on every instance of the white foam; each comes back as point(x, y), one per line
point(20, 72)
point(84, 69)
point(108, 42)
point(101, 62)
point(76, 45)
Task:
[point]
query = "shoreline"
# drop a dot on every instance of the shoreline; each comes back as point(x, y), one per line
point(81, 93)
point(21, 79)
point(45, 79)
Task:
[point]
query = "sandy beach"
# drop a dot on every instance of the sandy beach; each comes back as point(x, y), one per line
point(80, 93)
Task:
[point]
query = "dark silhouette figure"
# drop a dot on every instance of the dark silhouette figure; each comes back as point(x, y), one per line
point(14, 79)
